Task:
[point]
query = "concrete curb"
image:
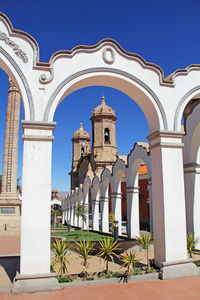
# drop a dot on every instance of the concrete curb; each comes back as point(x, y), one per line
point(151, 276)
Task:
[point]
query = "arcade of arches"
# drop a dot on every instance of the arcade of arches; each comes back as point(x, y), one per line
point(174, 154)
point(103, 156)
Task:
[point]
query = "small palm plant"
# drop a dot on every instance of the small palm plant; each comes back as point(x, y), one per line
point(191, 244)
point(129, 260)
point(144, 241)
point(107, 251)
point(84, 248)
point(60, 249)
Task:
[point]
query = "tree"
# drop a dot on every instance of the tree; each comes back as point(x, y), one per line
point(60, 249)
point(56, 213)
point(144, 240)
point(191, 244)
point(107, 251)
point(84, 248)
point(81, 211)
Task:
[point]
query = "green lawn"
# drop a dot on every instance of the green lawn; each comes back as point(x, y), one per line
point(59, 226)
point(79, 235)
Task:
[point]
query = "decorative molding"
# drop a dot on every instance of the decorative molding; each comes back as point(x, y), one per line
point(165, 134)
point(21, 54)
point(38, 125)
point(44, 138)
point(43, 78)
point(24, 81)
point(108, 70)
point(106, 59)
point(181, 102)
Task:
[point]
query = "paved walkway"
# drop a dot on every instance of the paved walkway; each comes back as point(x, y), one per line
point(179, 289)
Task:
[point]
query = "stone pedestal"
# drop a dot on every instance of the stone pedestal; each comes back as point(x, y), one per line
point(34, 283)
point(10, 214)
point(178, 269)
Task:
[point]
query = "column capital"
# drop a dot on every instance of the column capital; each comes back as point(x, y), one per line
point(104, 199)
point(192, 168)
point(116, 195)
point(39, 131)
point(166, 139)
point(132, 189)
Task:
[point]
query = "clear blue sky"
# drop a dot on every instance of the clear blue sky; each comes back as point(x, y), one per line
point(162, 32)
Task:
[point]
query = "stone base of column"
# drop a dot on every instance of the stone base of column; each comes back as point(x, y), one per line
point(10, 214)
point(34, 283)
point(178, 269)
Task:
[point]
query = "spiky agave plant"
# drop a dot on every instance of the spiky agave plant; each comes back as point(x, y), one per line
point(108, 247)
point(84, 249)
point(59, 263)
point(191, 244)
point(129, 260)
point(144, 241)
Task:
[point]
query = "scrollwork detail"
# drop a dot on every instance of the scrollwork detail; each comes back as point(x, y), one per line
point(43, 78)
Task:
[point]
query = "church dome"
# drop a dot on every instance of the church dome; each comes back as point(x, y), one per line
point(103, 109)
point(81, 133)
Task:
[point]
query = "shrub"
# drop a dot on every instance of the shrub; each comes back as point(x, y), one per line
point(60, 248)
point(144, 240)
point(107, 250)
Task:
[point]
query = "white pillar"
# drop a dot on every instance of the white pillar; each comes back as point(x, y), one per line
point(169, 219)
point(117, 209)
point(36, 197)
point(72, 215)
point(86, 223)
point(133, 220)
point(75, 217)
point(95, 215)
point(104, 202)
point(150, 205)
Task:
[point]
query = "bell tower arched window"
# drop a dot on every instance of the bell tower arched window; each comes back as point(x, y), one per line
point(107, 135)
point(82, 148)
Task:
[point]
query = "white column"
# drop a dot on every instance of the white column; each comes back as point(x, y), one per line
point(72, 215)
point(36, 197)
point(86, 223)
point(95, 215)
point(75, 217)
point(104, 202)
point(117, 209)
point(168, 197)
point(133, 220)
point(150, 205)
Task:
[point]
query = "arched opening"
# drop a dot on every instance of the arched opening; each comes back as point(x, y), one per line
point(191, 161)
point(11, 147)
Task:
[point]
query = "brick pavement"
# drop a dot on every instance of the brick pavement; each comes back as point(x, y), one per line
point(179, 289)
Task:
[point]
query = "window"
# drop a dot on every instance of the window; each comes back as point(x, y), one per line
point(107, 135)
point(82, 150)
point(7, 210)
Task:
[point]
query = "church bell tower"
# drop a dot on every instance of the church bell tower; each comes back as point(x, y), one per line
point(81, 147)
point(104, 148)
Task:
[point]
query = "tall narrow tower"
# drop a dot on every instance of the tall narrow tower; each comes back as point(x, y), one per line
point(81, 147)
point(104, 148)
point(9, 200)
